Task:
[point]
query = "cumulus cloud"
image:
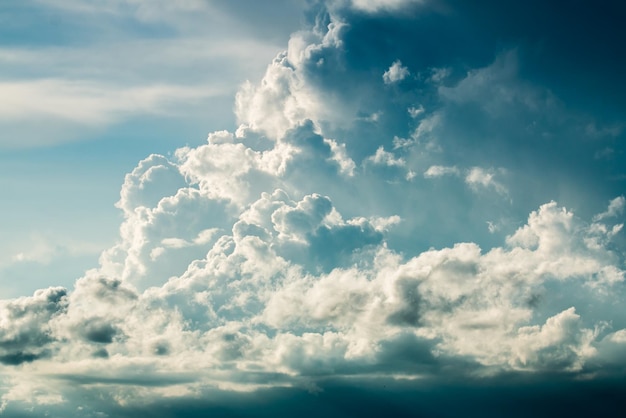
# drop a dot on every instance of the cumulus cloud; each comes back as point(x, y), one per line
point(395, 73)
point(25, 333)
point(295, 290)
point(286, 98)
point(383, 157)
point(479, 177)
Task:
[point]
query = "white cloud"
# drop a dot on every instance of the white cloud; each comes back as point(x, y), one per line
point(395, 73)
point(475, 177)
point(373, 6)
point(274, 107)
point(200, 286)
point(340, 156)
point(387, 158)
point(441, 170)
point(416, 111)
point(616, 208)
point(91, 103)
point(480, 177)
point(144, 10)
point(285, 99)
point(560, 341)
point(215, 315)
point(25, 333)
point(152, 179)
point(289, 94)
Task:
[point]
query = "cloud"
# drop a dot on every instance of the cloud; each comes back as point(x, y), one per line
point(340, 156)
point(90, 103)
point(289, 253)
point(440, 170)
point(72, 105)
point(395, 73)
point(476, 177)
point(383, 157)
point(285, 98)
point(80, 89)
point(616, 208)
point(479, 177)
point(416, 111)
point(25, 333)
point(259, 301)
point(560, 341)
point(382, 5)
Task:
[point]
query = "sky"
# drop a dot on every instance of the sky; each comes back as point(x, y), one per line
point(340, 207)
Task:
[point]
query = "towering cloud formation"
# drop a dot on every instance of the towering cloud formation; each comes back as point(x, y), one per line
point(304, 246)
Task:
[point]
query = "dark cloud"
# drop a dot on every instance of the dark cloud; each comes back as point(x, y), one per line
point(101, 353)
point(511, 396)
point(136, 379)
point(409, 312)
point(98, 330)
point(106, 289)
point(18, 358)
point(161, 348)
point(25, 334)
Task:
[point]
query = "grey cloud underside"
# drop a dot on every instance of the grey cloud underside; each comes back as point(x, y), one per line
point(355, 228)
point(26, 330)
point(509, 396)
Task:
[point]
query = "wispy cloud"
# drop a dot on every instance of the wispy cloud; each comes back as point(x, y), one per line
point(120, 74)
point(91, 103)
point(441, 170)
point(373, 6)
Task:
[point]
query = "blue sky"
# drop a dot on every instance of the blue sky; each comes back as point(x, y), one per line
point(362, 205)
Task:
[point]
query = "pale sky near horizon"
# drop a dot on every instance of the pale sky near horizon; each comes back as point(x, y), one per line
point(335, 207)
